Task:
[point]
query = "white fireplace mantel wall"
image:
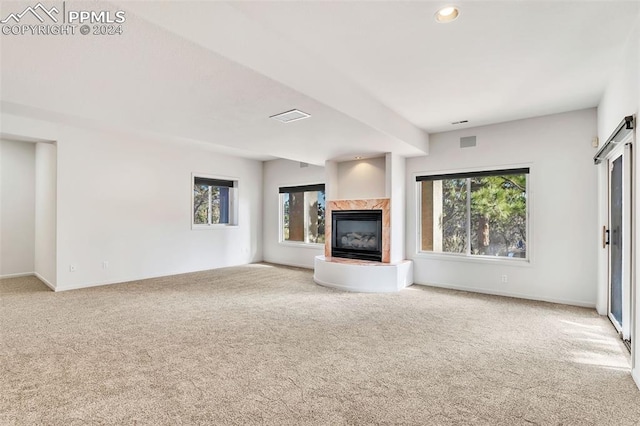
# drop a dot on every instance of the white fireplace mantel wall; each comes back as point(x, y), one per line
point(375, 181)
point(362, 179)
point(381, 177)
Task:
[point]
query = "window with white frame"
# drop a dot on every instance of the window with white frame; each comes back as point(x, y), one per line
point(302, 210)
point(476, 214)
point(213, 201)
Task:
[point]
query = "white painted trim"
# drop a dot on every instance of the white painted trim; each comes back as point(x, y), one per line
point(140, 278)
point(31, 274)
point(636, 377)
point(234, 201)
point(43, 279)
point(293, 265)
point(300, 244)
point(623, 152)
point(100, 284)
point(473, 258)
point(466, 257)
point(18, 275)
point(218, 226)
point(514, 295)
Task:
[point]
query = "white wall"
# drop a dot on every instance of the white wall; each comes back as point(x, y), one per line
point(396, 191)
point(17, 207)
point(622, 98)
point(277, 173)
point(127, 201)
point(331, 177)
point(361, 179)
point(46, 213)
point(563, 208)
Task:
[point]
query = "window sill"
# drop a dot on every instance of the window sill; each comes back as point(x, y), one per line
point(316, 246)
point(209, 227)
point(491, 260)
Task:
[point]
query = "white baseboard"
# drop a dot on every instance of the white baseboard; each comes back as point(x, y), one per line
point(18, 275)
point(295, 265)
point(99, 284)
point(31, 274)
point(636, 377)
point(138, 278)
point(44, 280)
point(579, 303)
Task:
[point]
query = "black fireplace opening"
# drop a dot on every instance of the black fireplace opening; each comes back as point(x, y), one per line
point(357, 234)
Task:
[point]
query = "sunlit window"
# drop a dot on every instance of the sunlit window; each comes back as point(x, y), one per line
point(477, 214)
point(302, 213)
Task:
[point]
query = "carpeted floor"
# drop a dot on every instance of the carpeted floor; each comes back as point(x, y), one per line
point(261, 344)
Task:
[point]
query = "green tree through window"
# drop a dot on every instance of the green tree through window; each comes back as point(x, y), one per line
point(303, 211)
point(211, 201)
point(482, 214)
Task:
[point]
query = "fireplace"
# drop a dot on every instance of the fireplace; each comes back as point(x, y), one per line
point(357, 234)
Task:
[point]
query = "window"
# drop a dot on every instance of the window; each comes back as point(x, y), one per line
point(477, 214)
point(302, 213)
point(213, 201)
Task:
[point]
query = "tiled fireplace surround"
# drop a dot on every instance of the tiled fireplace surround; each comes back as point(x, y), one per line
point(368, 204)
point(393, 273)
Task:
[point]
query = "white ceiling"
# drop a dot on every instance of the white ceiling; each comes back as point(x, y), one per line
point(375, 76)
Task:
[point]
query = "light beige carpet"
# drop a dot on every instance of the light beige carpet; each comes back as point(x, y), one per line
point(260, 344)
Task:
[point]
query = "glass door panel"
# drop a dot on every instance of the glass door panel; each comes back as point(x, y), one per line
point(616, 240)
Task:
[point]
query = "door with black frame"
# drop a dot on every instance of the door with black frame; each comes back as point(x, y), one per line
point(618, 239)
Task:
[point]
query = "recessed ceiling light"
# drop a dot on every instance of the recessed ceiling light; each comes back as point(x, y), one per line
point(447, 14)
point(289, 116)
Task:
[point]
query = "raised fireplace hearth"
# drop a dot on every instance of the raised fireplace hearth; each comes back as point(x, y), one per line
point(349, 245)
point(357, 234)
point(357, 249)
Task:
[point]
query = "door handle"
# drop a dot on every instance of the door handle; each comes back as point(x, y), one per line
point(605, 237)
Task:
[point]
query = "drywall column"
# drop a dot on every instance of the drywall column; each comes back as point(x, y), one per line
point(396, 191)
point(17, 208)
point(45, 213)
point(331, 180)
point(603, 252)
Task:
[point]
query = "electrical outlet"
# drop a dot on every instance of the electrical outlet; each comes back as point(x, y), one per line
point(505, 279)
point(105, 264)
point(72, 268)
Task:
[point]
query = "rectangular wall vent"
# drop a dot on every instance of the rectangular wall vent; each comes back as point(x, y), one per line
point(467, 142)
point(289, 116)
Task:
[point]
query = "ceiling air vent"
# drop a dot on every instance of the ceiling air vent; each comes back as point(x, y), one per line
point(467, 142)
point(289, 116)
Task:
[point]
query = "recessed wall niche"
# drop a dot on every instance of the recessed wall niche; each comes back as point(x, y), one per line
point(360, 179)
